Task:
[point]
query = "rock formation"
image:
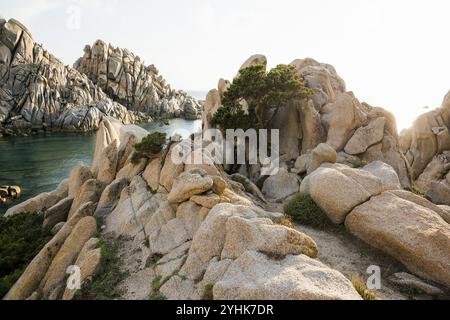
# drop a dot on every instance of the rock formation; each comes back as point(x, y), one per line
point(205, 231)
point(426, 145)
point(38, 92)
point(194, 231)
point(125, 79)
point(356, 131)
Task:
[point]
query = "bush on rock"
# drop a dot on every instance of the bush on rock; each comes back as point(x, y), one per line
point(304, 210)
point(254, 93)
point(149, 147)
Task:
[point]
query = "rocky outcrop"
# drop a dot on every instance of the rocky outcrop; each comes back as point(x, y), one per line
point(128, 81)
point(38, 92)
point(356, 131)
point(337, 189)
point(426, 146)
point(414, 234)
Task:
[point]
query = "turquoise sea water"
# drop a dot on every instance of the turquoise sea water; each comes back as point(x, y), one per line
point(39, 163)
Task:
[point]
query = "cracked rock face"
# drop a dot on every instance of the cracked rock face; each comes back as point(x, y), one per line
point(127, 80)
point(38, 92)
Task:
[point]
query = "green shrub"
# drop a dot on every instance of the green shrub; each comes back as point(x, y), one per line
point(21, 239)
point(304, 210)
point(208, 292)
point(149, 147)
point(262, 91)
point(105, 284)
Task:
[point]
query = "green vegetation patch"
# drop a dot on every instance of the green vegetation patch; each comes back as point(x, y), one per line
point(149, 147)
point(304, 210)
point(263, 92)
point(21, 239)
point(105, 284)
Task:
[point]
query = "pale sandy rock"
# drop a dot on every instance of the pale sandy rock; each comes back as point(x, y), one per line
point(254, 60)
point(176, 253)
point(110, 197)
point(168, 268)
point(388, 151)
point(212, 103)
point(342, 117)
point(348, 160)
point(41, 202)
point(386, 173)
point(337, 189)
point(209, 240)
point(312, 129)
point(162, 216)
point(435, 171)
point(207, 201)
point(280, 186)
point(88, 261)
point(78, 176)
point(90, 191)
point(134, 209)
point(107, 165)
point(260, 234)
point(415, 235)
point(409, 196)
point(192, 216)
point(52, 285)
point(301, 164)
point(177, 288)
point(446, 212)
point(188, 184)
point(171, 235)
point(151, 174)
point(364, 137)
point(170, 170)
point(58, 213)
point(323, 153)
point(254, 276)
point(439, 192)
point(130, 170)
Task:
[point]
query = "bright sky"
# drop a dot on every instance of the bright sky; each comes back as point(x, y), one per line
point(393, 54)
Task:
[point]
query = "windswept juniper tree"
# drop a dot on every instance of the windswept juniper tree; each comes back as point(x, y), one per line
point(255, 96)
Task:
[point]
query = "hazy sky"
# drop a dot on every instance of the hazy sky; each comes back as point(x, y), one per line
point(394, 54)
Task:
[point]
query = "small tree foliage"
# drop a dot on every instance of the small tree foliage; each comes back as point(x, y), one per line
point(149, 147)
point(255, 95)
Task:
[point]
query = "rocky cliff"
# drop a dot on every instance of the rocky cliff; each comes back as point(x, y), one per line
point(194, 231)
point(125, 78)
point(39, 92)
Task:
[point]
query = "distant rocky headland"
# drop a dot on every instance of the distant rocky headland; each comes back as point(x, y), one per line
point(38, 92)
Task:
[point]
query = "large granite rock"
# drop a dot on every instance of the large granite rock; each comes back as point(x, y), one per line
point(337, 189)
point(254, 276)
point(413, 234)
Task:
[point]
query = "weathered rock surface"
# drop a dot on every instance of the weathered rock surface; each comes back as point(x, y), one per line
point(280, 186)
point(386, 173)
point(188, 184)
point(413, 234)
point(364, 137)
point(41, 202)
point(126, 80)
point(323, 153)
point(58, 213)
point(254, 276)
point(337, 189)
